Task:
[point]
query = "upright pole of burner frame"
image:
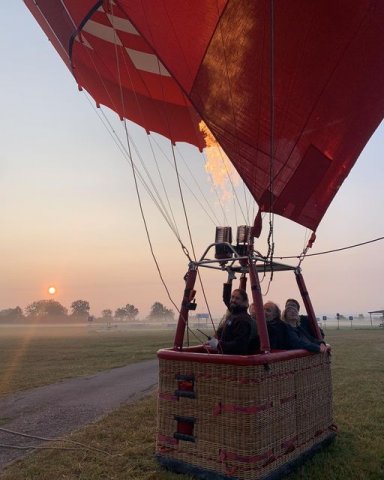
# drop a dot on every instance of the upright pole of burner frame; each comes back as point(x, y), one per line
point(258, 301)
point(184, 310)
point(243, 282)
point(308, 305)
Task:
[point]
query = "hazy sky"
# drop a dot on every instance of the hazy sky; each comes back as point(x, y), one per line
point(69, 214)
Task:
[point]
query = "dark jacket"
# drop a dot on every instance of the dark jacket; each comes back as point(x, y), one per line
point(299, 338)
point(234, 334)
point(278, 336)
point(305, 324)
point(227, 291)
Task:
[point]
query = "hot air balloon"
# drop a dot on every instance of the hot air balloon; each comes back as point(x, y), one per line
point(292, 91)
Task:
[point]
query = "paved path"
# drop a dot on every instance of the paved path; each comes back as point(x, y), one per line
point(58, 409)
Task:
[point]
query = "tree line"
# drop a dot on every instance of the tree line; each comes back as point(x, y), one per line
point(80, 310)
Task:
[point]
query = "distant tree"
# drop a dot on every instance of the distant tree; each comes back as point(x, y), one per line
point(129, 312)
point(45, 308)
point(11, 314)
point(80, 308)
point(120, 314)
point(106, 315)
point(132, 311)
point(361, 316)
point(17, 311)
point(160, 312)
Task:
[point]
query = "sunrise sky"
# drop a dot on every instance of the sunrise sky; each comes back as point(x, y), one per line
point(69, 214)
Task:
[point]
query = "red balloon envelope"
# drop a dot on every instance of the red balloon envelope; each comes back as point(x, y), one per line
point(292, 95)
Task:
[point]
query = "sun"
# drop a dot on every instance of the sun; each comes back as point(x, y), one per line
point(52, 290)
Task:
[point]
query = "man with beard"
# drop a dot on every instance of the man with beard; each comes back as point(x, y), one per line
point(236, 329)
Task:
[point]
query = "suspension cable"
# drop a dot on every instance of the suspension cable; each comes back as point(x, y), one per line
point(176, 230)
point(233, 187)
point(246, 202)
point(163, 185)
point(123, 104)
point(142, 211)
point(122, 147)
point(125, 154)
point(185, 183)
point(190, 236)
point(135, 170)
point(147, 232)
point(50, 439)
point(145, 221)
point(334, 250)
point(184, 208)
point(150, 143)
point(270, 238)
point(136, 173)
point(198, 185)
point(140, 109)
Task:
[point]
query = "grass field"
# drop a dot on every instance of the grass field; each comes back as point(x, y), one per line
point(128, 433)
point(32, 357)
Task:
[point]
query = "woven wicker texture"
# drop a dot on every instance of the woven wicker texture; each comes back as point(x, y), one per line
point(244, 421)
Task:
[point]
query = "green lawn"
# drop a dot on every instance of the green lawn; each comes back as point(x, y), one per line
point(128, 433)
point(31, 357)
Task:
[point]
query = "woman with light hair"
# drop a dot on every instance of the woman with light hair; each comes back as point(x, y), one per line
point(277, 329)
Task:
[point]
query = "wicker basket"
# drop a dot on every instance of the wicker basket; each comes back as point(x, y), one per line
point(236, 417)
